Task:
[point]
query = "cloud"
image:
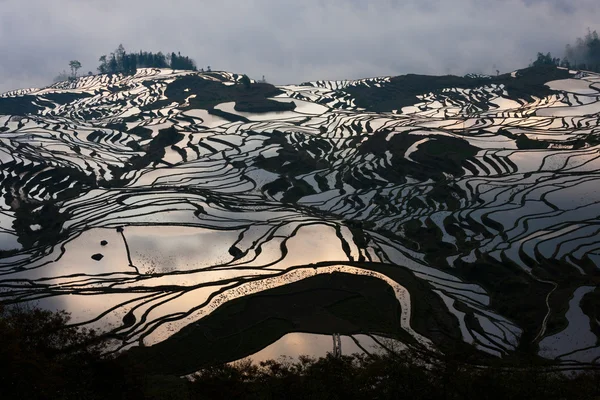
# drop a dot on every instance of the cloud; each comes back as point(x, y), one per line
point(290, 41)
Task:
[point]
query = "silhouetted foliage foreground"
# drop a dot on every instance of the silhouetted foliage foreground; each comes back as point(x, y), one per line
point(42, 358)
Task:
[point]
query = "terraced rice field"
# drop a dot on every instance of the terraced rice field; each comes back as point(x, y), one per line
point(152, 208)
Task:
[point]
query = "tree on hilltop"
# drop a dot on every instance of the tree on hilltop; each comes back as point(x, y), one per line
point(74, 65)
point(113, 65)
point(545, 59)
point(103, 67)
point(177, 61)
point(120, 57)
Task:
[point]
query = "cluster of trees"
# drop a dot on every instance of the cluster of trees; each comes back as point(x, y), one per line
point(120, 61)
point(584, 54)
point(405, 375)
point(545, 59)
point(47, 359)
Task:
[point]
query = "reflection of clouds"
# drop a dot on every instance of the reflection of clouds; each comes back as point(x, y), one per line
point(316, 345)
point(312, 244)
point(172, 248)
point(66, 276)
point(296, 344)
point(85, 308)
point(78, 252)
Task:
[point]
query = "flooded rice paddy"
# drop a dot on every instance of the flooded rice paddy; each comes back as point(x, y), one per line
point(476, 208)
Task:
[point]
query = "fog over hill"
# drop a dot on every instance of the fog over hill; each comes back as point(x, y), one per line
point(173, 207)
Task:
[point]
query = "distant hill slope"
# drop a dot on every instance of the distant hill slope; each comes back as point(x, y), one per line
point(143, 203)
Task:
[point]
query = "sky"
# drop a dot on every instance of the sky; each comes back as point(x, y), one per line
point(290, 41)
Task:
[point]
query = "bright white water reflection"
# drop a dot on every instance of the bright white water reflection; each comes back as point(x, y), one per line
point(294, 345)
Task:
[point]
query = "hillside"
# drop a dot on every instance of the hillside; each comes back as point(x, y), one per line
point(451, 213)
